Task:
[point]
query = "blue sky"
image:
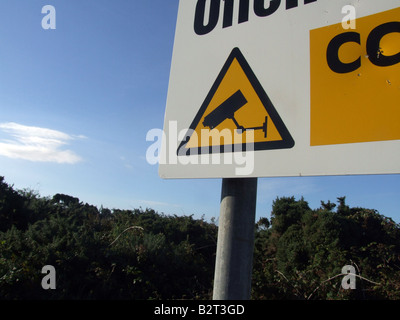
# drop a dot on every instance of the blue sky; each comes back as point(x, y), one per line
point(77, 102)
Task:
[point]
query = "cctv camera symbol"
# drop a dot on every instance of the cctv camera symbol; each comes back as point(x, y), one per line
point(227, 109)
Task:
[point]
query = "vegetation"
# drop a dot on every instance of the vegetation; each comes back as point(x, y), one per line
point(301, 254)
point(140, 254)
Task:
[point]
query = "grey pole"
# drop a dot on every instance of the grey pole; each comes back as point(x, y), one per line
point(234, 260)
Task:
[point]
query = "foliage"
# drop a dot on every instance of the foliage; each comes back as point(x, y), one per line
point(301, 255)
point(100, 253)
point(163, 258)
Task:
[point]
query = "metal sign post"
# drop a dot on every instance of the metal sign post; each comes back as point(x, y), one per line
point(234, 261)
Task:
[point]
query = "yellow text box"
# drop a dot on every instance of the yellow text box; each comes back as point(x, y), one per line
point(353, 98)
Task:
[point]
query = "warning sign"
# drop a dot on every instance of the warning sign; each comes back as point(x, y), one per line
point(237, 110)
point(355, 81)
point(313, 91)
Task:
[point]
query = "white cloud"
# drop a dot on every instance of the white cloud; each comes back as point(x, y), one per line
point(36, 144)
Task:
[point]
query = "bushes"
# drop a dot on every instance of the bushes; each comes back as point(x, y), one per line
point(90, 265)
point(141, 254)
point(163, 257)
point(304, 248)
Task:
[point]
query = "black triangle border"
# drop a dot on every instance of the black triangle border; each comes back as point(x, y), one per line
point(287, 141)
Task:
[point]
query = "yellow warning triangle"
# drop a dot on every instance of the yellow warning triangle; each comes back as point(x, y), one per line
point(236, 111)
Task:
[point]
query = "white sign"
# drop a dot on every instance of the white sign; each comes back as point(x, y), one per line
point(264, 88)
